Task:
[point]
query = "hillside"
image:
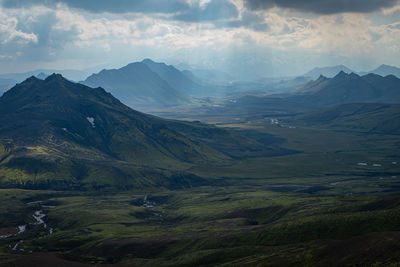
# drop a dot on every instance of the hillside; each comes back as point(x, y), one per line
point(55, 133)
point(136, 85)
point(365, 117)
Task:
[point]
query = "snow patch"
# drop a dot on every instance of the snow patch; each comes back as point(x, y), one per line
point(16, 245)
point(91, 121)
point(21, 229)
point(274, 121)
point(5, 236)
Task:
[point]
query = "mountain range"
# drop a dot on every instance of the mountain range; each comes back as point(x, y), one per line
point(55, 133)
point(137, 85)
point(327, 71)
point(148, 85)
point(319, 94)
point(331, 71)
point(71, 74)
point(351, 88)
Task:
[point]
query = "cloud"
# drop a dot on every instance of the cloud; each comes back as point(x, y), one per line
point(9, 32)
point(182, 10)
point(209, 11)
point(61, 31)
point(391, 10)
point(323, 6)
point(114, 6)
point(249, 20)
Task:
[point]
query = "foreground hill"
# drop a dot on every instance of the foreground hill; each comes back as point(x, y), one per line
point(138, 86)
point(56, 133)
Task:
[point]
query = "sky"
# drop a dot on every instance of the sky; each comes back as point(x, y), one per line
point(248, 38)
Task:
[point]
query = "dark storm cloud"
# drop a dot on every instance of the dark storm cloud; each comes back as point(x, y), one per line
point(322, 6)
point(111, 6)
point(214, 10)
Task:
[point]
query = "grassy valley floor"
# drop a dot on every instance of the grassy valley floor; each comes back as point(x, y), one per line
point(286, 225)
point(335, 202)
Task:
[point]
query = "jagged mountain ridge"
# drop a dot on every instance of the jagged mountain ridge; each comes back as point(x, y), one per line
point(329, 72)
point(351, 88)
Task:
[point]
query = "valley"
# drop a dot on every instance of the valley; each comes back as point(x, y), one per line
point(272, 210)
point(235, 180)
point(180, 133)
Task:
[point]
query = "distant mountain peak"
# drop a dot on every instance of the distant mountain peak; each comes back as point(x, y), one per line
point(341, 74)
point(385, 70)
point(328, 72)
point(147, 60)
point(31, 79)
point(42, 75)
point(386, 67)
point(152, 64)
point(133, 64)
point(55, 77)
point(137, 85)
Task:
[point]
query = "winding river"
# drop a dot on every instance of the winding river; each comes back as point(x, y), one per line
point(39, 217)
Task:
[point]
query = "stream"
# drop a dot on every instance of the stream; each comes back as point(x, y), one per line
point(39, 217)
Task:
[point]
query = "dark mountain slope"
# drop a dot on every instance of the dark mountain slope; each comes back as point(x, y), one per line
point(55, 130)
